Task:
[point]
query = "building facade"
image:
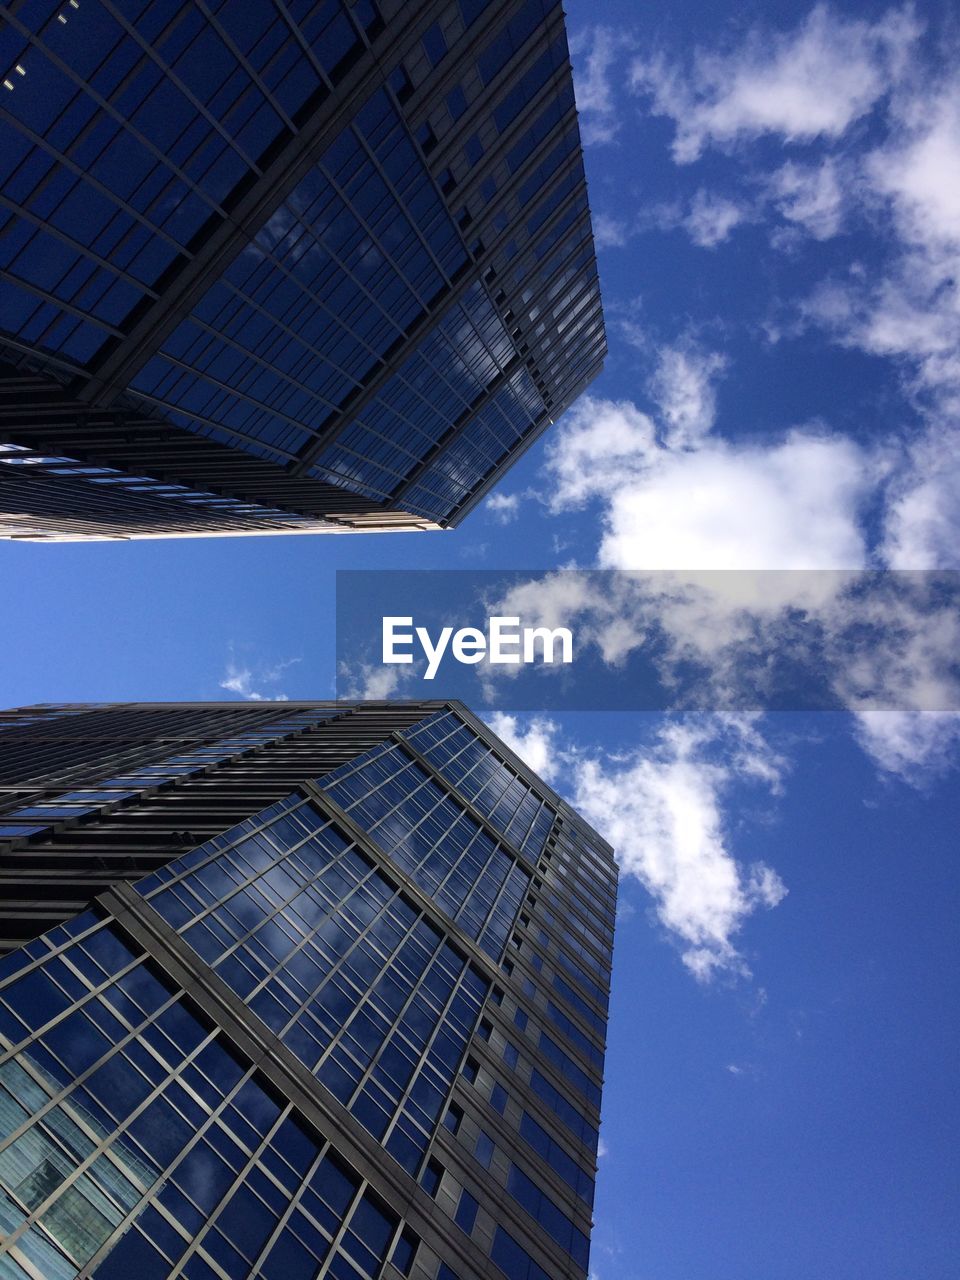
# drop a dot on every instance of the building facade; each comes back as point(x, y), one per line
point(294, 990)
point(283, 267)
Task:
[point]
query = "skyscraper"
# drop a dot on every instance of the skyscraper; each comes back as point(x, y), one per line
point(319, 990)
point(270, 266)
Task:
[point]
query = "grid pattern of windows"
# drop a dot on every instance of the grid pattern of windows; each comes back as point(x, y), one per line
point(336, 960)
point(558, 1159)
point(133, 123)
point(337, 275)
point(186, 764)
point(332, 964)
point(232, 218)
point(454, 472)
point(72, 486)
point(431, 391)
point(511, 804)
point(561, 1105)
point(422, 829)
point(554, 1221)
point(118, 1103)
point(169, 808)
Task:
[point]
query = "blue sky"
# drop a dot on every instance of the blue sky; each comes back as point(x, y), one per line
point(777, 208)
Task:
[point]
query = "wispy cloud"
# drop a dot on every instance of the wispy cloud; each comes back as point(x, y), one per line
point(812, 82)
point(662, 810)
point(673, 495)
point(371, 681)
point(683, 385)
point(597, 51)
point(712, 217)
point(708, 218)
point(503, 507)
point(811, 196)
point(254, 680)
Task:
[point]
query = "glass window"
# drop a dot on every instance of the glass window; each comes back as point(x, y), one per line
point(484, 1149)
point(466, 1214)
point(434, 44)
point(404, 1252)
point(431, 1176)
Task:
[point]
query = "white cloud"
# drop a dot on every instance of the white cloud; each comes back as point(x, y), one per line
point(373, 682)
point(673, 497)
point(682, 386)
point(533, 743)
point(596, 442)
point(810, 196)
point(707, 217)
point(812, 82)
point(918, 169)
point(916, 746)
point(792, 503)
point(661, 810)
point(882, 646)
point(910, 308)
point(597, 51)
point(504, 507)
point(712, 217)
point(243, 679)
point(922, 518)
point(909, 311)
point(609, 232)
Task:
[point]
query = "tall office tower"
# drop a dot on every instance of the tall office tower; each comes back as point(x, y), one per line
point(279, 266)
point(319, 990)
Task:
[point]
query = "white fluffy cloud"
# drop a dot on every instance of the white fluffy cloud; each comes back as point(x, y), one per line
point(792, 505)
point(917, 169)
point(373, 681)
point(610, 233)
point(689, 501)
point(534, 742)
point(661, 809)
point(596, 443)
point(914, 745)
point(922, 520)
point(812, 82)
point(910, 309)
point(673, 496)
point(815, 81)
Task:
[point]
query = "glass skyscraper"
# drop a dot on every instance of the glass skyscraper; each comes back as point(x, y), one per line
point(294, 990)
point(275, 266)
